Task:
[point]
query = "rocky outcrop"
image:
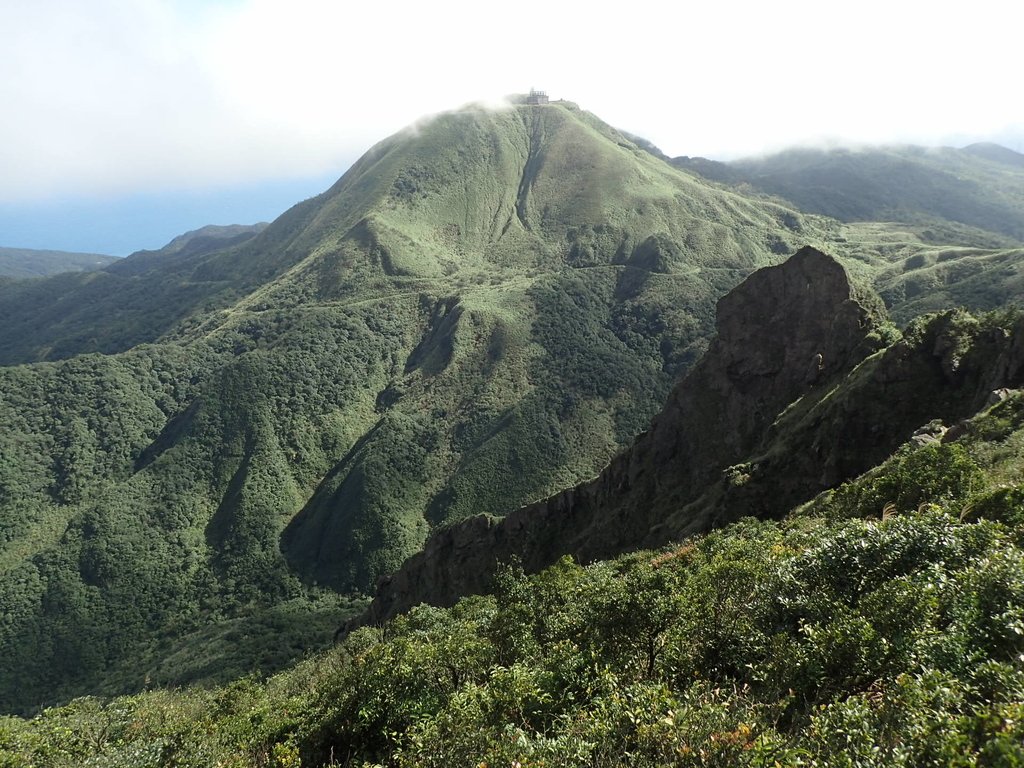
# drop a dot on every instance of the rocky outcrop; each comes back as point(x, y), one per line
point(783, 331)
point(788, 400)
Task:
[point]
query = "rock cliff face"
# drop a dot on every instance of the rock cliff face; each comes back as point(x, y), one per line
point(788, 400)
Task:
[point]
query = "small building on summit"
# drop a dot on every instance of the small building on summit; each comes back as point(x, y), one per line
point(537, 97)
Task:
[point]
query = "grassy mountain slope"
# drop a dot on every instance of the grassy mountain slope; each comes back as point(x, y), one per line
point(409, 364)
point(940, 227)
point(218, 439)
point(976, 187)
point(27, 262)
point(482, 311)
point(996, 153)
point(879, 625)
point(202, 241)
point(132, 301)
point(787, 401)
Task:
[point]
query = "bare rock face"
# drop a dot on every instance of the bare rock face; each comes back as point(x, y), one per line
point(780, 333)
point(784, 331)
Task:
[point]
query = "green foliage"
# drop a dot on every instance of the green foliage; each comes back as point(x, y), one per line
point(25, 262)
point(810, 642)
point(937, 473)
point(478, 314)
point(934, 228)
point(1004, 505)
point(909, 184)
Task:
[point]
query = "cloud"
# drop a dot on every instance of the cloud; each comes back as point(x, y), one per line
point(91, 92)
point(119, 95)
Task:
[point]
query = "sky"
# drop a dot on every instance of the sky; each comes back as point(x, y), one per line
point(128, 122)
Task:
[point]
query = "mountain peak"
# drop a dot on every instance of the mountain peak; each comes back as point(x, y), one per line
point(482, 311)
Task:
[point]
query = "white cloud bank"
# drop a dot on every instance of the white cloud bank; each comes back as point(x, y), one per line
point(114, 96)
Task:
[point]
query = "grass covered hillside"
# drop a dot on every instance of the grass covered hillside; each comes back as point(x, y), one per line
point(26, 262)
point(979, 187)
point(223, 445)
point(939, 227)
point(130, 301)
point(881, 625)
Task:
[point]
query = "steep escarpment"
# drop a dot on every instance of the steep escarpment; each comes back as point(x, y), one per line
point(796, 393)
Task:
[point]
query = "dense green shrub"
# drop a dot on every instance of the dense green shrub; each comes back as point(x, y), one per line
point(808, 642)
point(936, 473)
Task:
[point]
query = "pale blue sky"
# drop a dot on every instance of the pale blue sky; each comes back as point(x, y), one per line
point(124, 223)
point(129, 121)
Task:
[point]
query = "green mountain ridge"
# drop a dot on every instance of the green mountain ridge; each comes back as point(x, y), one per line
point(944, 225)
point(789, 400)
point(877, 625)
point(996, 153)
point(980, 187)
point(133, 301)
point(198, 242)
point(229, 441)
point(31, 262)
point(479, 313)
